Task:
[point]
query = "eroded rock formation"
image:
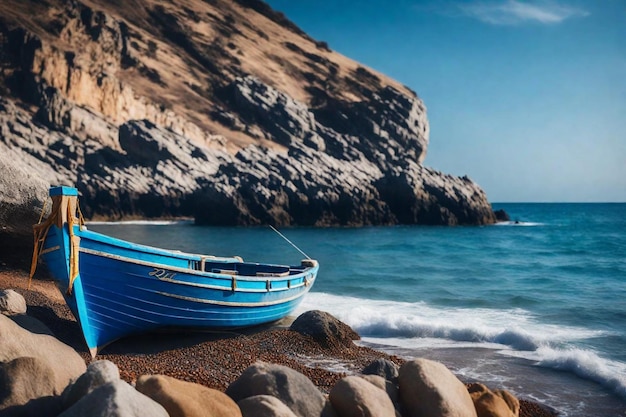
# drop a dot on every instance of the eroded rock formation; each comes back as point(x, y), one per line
point(221, 110)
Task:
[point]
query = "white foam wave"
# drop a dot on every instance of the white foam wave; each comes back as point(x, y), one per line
point(581, 362)
point(519, 224)
point(514, 328)
point(513, 332)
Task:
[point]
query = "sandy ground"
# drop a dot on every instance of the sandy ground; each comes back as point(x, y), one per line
point(213, 359)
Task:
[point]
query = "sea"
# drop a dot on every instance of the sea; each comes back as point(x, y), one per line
point(536, 305)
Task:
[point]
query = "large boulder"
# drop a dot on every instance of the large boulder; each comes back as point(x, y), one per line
point(511, 401)
point(115, 399)
point(354, 396)
point(325, 329)
point(98, 373)
point(389, 387)
point(187, 399)
point(62, 359)
point(27, 388)
point(294, 389)
point(328, 410)
point(31, 324)
point(23, 193)
point(12, 302)
point(428, 388)
point(382, 367)
point(22, 196)
point(489, 403)
point(264, 406)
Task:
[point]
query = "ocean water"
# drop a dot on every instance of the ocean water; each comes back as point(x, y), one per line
point(536, 305)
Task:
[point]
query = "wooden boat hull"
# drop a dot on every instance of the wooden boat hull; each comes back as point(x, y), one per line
point(122, 288)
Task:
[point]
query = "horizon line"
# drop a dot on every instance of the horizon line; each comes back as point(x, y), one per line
point(558, 202)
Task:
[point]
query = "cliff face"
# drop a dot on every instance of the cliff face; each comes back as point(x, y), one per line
point(221, 110)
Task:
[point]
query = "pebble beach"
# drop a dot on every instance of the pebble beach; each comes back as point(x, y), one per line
point(212, 359)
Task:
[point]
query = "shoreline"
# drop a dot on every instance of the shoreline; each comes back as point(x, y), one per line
point(211, 358)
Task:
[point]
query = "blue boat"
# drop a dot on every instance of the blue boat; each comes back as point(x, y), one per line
point(116, 288)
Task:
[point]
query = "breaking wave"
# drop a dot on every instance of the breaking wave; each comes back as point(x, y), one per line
point(513, 332)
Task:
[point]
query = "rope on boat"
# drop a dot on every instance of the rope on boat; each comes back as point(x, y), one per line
point(40, 232)
point(43, 210)
point(74, 244)
point(289, 241)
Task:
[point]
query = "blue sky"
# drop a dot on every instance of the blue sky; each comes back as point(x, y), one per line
point(527, 98)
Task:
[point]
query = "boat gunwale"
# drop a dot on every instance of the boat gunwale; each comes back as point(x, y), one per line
point(101, 238)
point(302, 275)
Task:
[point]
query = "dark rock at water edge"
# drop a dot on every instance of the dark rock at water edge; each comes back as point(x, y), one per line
point(502, 216)
point(325, 329)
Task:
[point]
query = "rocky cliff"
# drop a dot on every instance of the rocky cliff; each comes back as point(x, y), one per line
point(221, 110)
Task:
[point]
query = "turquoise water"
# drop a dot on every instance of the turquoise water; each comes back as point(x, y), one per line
point(537, 307)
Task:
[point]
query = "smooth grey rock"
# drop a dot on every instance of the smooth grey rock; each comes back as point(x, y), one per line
point(98, 373)
point(264, 406)
point(62, 359)
point(22, 193)
point(48, 406)
point(12, 302)
point(354, 396)
point(389, 387)
point(187, 399)
point(294, 389)
point(31, 324)
point(328, 410)
point(499, 403)
point(24, 380)
point(428, 388)
point(115, 399)
point(382, 367)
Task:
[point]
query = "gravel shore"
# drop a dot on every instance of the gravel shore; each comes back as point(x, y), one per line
point(213, 359)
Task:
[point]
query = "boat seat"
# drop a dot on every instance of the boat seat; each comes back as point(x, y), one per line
point(272, 274)
point(224, 271)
